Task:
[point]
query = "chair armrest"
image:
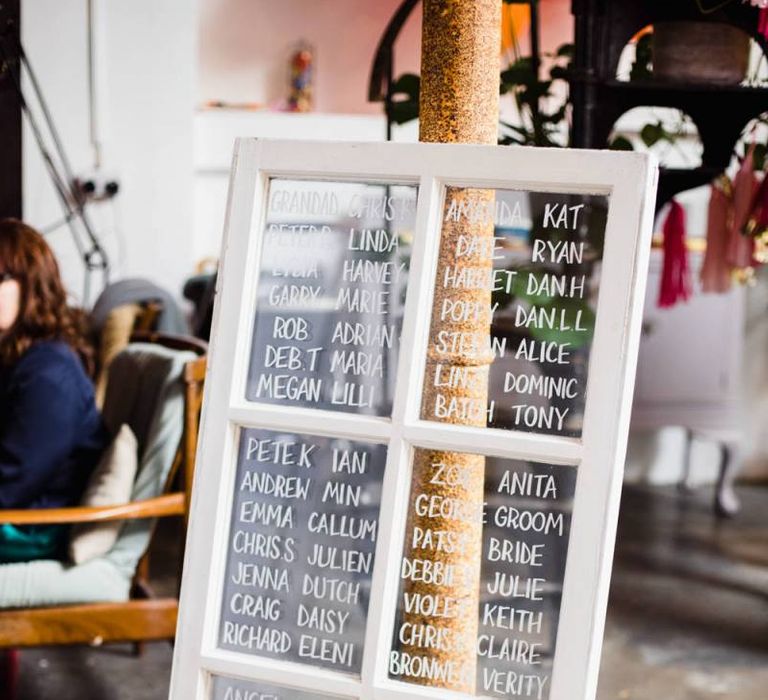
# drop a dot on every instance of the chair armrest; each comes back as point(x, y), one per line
point(162, 506)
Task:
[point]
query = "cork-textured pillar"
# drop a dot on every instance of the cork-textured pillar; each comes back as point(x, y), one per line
point(459, 97)
point(459, 102)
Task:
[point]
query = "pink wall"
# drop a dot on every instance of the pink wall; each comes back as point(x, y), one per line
point(245, 46)
point(556, 24)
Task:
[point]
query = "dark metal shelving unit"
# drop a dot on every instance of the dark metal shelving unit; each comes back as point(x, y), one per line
point(603, 28)
point(10, 120)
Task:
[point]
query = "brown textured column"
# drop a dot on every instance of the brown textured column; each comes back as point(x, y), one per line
point(460, 43)
point(459, 103)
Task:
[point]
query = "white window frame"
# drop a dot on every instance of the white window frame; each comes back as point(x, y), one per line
point(630, 181)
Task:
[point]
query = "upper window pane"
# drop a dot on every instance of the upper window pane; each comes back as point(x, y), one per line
point(301, 548)
point(332, 280)
point(514, 309)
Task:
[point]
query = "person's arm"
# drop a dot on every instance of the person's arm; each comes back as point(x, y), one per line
point(39, 433)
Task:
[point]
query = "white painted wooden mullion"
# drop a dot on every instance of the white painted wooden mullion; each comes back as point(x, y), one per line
point(216, 438)
point(393, 511)
point(494, 442)
point(281, 673)
point(234, 314)
point(204, 683)
point(248, 287)
point(243, 313)
point(346, 161)
point(606, 423)
point(217, 560)
point(399, 690)
point(546, 170)
point(312, 421)
point(357, 177)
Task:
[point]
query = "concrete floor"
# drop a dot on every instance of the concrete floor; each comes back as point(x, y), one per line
point(688, 614)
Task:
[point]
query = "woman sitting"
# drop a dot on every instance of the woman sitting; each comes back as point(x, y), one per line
point(51, 433)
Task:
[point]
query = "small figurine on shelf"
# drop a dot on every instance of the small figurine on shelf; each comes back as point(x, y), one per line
point(300, 96)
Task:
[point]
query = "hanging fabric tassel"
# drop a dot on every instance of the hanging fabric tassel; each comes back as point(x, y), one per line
point(762, 22)
point(675, 275)
point(757, 226)
point(715, 270)
point(741, 247)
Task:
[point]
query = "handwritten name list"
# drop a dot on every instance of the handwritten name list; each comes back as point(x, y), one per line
point(301, 548)
point(330, 298)
point(526, 315)
point(525, 521)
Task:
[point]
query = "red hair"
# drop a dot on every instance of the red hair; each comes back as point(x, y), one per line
point(43, 310)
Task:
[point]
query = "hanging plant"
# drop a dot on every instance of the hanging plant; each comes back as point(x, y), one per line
point(404, 104)
point(537, 126)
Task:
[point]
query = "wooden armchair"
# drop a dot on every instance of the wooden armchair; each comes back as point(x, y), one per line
point(142, 617)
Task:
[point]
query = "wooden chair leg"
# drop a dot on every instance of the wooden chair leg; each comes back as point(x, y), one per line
point(9, 673)
point(727, 503)
point(684, 485)
point(141, 589)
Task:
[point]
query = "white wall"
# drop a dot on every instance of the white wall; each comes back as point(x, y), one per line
point(54, 35)
point(147, 86)
point(215, 134)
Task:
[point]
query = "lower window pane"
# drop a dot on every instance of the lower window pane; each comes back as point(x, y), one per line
point(482, 573)
point(301, 548)
point(230, 689)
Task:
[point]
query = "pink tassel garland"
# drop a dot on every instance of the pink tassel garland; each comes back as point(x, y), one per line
point(741, 248)
point(758, 221)
point(675, 275)
point(715, 271)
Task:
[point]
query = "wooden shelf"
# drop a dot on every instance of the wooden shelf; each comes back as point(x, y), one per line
point(674, 87)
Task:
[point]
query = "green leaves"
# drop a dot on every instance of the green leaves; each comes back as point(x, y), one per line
point(572, 312)
point(621, 143)
point(537, 126)
point(575, 312)
point(517, 74)
point(654, 133)
point(405, 98)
